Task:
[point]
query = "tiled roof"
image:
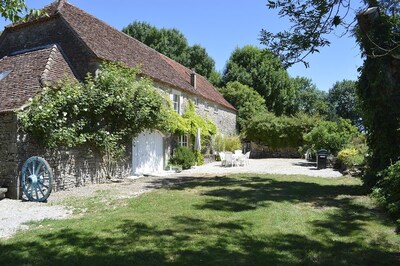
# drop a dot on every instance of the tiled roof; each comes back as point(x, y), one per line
point(29, 71)
point(111, 44)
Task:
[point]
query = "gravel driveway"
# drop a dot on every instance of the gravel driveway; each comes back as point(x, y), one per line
point(15, 213)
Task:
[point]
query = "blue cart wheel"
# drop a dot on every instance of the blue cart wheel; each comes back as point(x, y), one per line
point(36, 179)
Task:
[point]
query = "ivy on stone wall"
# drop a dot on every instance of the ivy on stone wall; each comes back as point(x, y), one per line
point(104, 112)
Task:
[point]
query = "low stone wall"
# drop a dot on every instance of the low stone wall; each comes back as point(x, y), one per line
point(74, 167)
point(259, 151)
point(71, 168)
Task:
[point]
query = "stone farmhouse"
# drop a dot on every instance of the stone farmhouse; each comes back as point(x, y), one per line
point(70, 42)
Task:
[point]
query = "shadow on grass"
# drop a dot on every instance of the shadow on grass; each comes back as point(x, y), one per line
point(248, 193)
point(192, 240)
point(135, 243)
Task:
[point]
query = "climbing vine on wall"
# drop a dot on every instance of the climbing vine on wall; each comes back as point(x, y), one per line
point(104, 112)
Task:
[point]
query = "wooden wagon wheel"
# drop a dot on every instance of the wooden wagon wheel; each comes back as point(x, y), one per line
point(36, 179)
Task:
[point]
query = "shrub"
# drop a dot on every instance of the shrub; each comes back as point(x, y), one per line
point(232, 143)
point(351, 158)
point(219, 143)
point(183, 156)
point(199, 157)
point(332, 136)
point(387, 190)
point(280, 131)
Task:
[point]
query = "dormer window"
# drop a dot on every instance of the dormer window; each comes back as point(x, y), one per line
point(4, 74)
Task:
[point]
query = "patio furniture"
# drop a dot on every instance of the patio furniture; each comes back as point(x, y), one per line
point(222, 156)
point(244, 159)
point(238, 152)
point(229, 159)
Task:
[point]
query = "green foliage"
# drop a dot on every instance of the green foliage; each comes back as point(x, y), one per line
point(332, 136)
point(379, 88)
point(344, 102)
point(16, 10)
point(172, 43)
point(191, 121)
point(183, 156)
point(199, 158)
point(216, 79)
point(309, 99)
point(219, 143)
point(351, 158)
point(387, 190)
point(311, 22)
point(262, 71)
point(227, 143)
point(232, 143)
point(245, 99)
point(280, 131)
point(105, 112)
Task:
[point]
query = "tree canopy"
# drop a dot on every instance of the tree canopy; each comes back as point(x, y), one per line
point(261, 70)
point(309, 99)
point(172, 43)
point(15, 10)
point(313, 20)
point(246, 100)
point(343, 100)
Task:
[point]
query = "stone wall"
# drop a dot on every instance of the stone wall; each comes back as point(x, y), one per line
point(224, 119)
point(259, 151)
point(9, 154)
point(71, 168)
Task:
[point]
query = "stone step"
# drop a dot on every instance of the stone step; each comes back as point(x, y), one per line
point(3, 192)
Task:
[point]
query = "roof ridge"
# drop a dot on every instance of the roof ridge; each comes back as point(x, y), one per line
point(49, 62)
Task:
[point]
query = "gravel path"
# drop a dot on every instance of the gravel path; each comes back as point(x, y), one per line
point(267, 166)
point(14, 213)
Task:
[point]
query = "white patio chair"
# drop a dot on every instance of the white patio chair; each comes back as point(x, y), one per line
point(246, 159)
point(222, 156)
point(229, 159)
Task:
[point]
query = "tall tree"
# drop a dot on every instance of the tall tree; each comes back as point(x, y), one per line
point(343, 100)
point(312, 21)
point(246, 100)
point(379, 84)
point(377, 28)
point(309, 99)
point(261, 70)
point(172, 43)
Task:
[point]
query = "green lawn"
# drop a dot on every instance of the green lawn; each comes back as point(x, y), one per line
point(232, 220)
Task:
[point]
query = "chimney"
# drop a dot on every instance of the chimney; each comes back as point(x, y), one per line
point(193, 81)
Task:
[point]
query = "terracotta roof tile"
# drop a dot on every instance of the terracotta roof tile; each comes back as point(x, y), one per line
point(29, 70)
point(111, 44)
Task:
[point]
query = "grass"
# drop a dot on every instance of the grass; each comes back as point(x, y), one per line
point(231, 220)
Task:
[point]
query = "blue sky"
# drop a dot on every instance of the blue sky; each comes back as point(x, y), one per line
point(220, 26)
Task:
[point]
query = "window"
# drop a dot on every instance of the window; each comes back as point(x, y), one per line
point(206, 105)
point(183, 140)
point(196, 102)
point(176, 102)
point(4, 74)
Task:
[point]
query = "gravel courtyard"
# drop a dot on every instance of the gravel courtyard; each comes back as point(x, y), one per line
point(15, 213)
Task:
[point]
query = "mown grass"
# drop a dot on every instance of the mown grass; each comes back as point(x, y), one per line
point(231, 220)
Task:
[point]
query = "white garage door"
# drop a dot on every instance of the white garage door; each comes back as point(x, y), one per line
point(148, 153)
